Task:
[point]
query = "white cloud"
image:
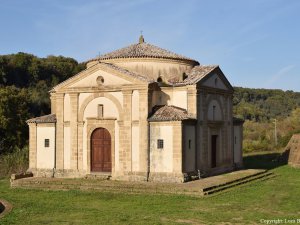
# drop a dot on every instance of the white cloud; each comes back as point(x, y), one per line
point(282, 72)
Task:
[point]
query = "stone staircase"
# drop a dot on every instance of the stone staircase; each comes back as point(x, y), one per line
point(206, 186)
point(238, 182)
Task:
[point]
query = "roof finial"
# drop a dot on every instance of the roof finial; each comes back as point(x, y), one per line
point(141, 40)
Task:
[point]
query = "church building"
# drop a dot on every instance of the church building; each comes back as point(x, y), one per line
point(140, 113)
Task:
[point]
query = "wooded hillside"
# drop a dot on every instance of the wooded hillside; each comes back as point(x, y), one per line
point(264, 104)
point(24, 84)
point(26, 79)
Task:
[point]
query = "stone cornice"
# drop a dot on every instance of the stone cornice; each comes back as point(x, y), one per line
point(181, 88)
point(101, 119)
point(151, 59)
point(164, 123)
point(110, 88)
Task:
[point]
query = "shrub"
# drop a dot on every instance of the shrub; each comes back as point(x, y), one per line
point(15, 162)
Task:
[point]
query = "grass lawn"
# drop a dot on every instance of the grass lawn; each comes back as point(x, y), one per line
point(277, 198)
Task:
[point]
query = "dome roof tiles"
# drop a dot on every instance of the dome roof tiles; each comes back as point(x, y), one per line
point(143, 50)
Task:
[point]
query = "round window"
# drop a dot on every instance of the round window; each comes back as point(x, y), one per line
point(100, 80)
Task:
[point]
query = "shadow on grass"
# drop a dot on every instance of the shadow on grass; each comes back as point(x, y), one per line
point(265, 161)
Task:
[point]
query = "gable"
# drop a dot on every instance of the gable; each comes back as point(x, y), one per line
point(98, 76)
point(103, 74)
point(215, 82)
point(216, 79)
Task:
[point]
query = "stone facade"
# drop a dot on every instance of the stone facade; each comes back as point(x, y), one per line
point(168, 118)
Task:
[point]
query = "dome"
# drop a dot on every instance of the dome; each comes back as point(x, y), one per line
point(143, 50)
point(149, 60)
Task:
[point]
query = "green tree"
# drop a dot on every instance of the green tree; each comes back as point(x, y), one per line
point(13, 114)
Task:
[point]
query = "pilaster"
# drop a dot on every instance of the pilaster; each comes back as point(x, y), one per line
point(74, 130)
point(53, 103)
point(80, 145)
point(125, 132)
point(143, 123)
point(192, 100)
point(177, 147)
point(59, 131)
point(205, 138)
point(230, 128)
point(32, 146)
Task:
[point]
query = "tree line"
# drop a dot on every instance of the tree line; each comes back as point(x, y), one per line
point(26, 79)
point(262, 105)
point(24, 84)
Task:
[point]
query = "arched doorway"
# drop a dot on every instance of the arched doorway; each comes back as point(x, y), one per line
point(101, 151)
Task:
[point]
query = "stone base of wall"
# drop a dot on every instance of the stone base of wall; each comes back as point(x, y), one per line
point(41, 172)
point(162, 177)
point(219, 170)
point(130, 176)
point(57, 173)
point(69, 174)
point(152, 177)
point(166, 177)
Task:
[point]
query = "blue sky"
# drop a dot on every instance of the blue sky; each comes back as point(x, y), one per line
point(256, 43)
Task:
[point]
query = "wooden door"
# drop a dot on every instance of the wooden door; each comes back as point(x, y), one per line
point(214, 150)
point(100, 151)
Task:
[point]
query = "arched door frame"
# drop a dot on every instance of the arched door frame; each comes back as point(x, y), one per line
point(108, 124)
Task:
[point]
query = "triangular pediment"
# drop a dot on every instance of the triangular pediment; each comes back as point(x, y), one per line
point(103, 74)
point(216, 79)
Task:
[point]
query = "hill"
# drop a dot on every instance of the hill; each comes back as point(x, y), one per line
point(24, 84)
point(26, 79)
point(264, 104)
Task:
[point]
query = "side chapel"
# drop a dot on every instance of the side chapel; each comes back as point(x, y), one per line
point(139, 113)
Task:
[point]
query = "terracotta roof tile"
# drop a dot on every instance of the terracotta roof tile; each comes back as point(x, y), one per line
point(142, 50)
point(195, 75)
point(51, 118)
point(169, 113)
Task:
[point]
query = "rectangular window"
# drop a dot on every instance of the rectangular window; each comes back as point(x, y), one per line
point(100, 111)
point(160, 143)
point(190, 144)
point(234, 139)
point(47, 143)
point(214, 112)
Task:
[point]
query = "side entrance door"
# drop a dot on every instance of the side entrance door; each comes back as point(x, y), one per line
point(214, 150)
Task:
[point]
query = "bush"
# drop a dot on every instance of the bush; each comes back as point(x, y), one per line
point(15, 162)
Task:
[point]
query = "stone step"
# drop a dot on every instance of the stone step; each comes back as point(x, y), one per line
point(98, 185)
point(218, 188)
point(114, 189)
point(233, 181)
point(206, 186)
